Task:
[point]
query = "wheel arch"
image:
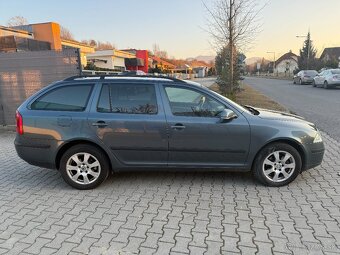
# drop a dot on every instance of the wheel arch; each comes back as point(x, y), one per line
point(72, 143)
point(295, 144)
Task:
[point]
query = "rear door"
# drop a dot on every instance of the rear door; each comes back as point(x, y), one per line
point(196, 135)
point(129, 119)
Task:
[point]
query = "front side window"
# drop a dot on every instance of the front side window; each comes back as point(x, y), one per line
point(188, 102)
point(128, 98)
point(66, 98)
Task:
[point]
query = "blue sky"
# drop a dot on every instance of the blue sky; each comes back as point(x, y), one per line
point(176, 25)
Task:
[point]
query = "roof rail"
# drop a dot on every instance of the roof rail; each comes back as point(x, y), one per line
point(103, 76)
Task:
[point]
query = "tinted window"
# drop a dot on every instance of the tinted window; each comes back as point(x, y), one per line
point(128, 98)
point(336, 71)
point(67, 98)
point(187, 102)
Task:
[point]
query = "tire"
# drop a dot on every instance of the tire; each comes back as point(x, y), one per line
point(267, 167)
point(294, 82)
point(300, 82)
point(76, 162)
point(325, 85)
point(313, 84)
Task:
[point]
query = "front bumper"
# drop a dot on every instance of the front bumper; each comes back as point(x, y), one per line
point(314, 155)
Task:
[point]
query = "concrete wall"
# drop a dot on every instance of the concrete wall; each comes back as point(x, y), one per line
point(24, 73)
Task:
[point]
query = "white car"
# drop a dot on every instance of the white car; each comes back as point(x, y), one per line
point(327, 79)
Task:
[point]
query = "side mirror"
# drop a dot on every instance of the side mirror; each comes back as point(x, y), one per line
point(227, 115)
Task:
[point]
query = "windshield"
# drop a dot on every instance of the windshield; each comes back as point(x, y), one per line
point(336, 71)
point(311, 72)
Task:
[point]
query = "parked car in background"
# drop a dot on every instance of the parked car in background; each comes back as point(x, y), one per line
point(327, 79)
point(304, 77)
point(87, 127)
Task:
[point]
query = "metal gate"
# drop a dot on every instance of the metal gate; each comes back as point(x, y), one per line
point(23, 73)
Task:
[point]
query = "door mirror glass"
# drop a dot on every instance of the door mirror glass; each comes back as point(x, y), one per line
point(227, 115)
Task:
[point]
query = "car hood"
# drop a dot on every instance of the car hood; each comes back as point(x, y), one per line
point(282, 116)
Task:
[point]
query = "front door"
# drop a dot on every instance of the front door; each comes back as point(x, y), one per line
point(196, 134)
point(130, 121)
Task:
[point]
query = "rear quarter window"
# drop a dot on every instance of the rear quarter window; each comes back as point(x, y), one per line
point(65, 98)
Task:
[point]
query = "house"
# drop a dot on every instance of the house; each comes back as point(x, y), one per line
point(39, 36)
point(13, 40)
point(112, 59)
point(163, 65)
point(331, 55)
point(286, 64)
point(140, 62)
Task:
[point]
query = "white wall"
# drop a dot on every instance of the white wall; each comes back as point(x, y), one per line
point(282, 66)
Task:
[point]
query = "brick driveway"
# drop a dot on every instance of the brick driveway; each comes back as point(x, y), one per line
point(177, 213)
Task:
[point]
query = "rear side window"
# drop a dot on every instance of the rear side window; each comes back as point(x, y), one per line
point(67, 98)
point(128, 98)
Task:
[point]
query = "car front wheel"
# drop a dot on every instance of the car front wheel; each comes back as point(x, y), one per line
point(84, 167)
point(277, 164)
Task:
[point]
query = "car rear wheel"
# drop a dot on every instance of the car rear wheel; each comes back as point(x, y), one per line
point(300, 82)
point(84, 167)
point(277, 165)
point(313, 83)
point(325, 85)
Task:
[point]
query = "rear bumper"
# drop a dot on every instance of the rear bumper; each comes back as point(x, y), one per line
point(35, 154)
point(307, 80)
point(334, 83)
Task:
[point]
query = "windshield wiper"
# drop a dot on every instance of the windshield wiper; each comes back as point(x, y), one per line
point(251, 109)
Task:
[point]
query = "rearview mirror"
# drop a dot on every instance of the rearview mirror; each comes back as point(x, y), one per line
point(227, 115)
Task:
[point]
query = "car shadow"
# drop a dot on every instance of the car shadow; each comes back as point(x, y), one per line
point(46, 179)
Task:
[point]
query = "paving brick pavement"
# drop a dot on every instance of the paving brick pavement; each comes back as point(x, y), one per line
point(162, 213)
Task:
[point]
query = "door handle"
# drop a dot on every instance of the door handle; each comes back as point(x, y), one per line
point(178, 126)
point(99, 124)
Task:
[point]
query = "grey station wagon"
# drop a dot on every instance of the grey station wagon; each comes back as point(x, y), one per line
point(87, 127)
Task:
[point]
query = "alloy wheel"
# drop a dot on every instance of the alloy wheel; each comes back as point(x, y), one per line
point(83, 168)
point(278, 166)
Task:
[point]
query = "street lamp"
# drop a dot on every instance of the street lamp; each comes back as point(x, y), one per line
point(272, 52)
point(308, 49)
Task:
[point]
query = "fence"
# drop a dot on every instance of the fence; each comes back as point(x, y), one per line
point(23, 73)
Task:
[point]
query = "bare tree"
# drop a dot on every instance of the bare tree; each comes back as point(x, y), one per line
point(233, 24)
point(158, 52)
point(65, 33)
point(17, 21)
point(105, 46)
point(99, 45)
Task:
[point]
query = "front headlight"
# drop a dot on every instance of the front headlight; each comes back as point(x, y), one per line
point(318, 138)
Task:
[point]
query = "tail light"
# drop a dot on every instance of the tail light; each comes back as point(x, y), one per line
point(20, 124)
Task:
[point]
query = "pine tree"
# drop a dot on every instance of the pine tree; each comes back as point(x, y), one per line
point(228, 86)
point(307, 58)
